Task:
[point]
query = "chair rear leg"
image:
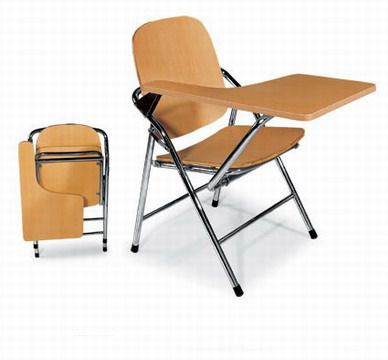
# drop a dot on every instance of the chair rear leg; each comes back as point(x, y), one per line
point(216, 197)
point(36, 248)
point(143, 193)
point(105, 212)
point(313, 234)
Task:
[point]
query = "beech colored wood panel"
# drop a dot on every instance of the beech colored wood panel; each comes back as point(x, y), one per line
point(81, 178)
point(179, 49)
point(46, 215)
point(267, 144)
point(67, 135)
point(297, 97)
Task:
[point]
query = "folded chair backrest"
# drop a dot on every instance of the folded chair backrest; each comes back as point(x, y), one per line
point(178, 49)
point(67, 135)
point(82, 178)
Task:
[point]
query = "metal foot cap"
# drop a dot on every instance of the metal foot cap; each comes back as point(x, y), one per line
point(238, 291)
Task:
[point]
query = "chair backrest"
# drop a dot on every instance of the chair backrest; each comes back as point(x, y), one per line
point(178, 49)
point(72, 135)
point(82, 178)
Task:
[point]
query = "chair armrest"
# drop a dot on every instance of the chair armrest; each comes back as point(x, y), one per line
point(297, 97)
point(46, 215)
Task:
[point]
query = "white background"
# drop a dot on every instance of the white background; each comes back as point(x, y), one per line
point(71, 61)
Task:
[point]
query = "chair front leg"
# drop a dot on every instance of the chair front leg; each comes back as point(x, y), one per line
point(298, 202)
point(105, 210)
point(143, 193)
point(36, 249)
point(198, 206)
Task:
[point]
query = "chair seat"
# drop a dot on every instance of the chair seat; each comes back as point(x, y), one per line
point(268, 143)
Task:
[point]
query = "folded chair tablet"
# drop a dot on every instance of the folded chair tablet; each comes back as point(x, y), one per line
point(67, 171)
point(182, 89)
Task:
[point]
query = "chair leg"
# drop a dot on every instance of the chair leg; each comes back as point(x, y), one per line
point(143, 194)
point(313, 234)
point(216, 197)
point(36, 249)
point(105, 212)
point(224, 261)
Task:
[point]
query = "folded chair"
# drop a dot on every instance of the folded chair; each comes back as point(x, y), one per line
point(182, 89)
point(67, 171)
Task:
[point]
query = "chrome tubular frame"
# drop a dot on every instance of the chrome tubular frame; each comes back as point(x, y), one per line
point(221, 176)
point(216, 196)
point(232, 120)
point(101, 159)
point(173, 202)
point(296, 197)
point(231, 80)
point(143, 192)
point(105, 189)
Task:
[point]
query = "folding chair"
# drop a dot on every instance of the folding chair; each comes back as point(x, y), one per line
point(65, 173)
point(182, 89)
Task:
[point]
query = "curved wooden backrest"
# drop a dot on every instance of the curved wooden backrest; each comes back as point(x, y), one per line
point(72, 135)
point(46, 215)
point(81, 178)
point(178, 49)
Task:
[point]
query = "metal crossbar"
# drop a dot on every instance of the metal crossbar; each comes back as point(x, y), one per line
point(255, 218)
point(60, 160)
point(93, 233)
point(173, 202)
point(62, 153)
